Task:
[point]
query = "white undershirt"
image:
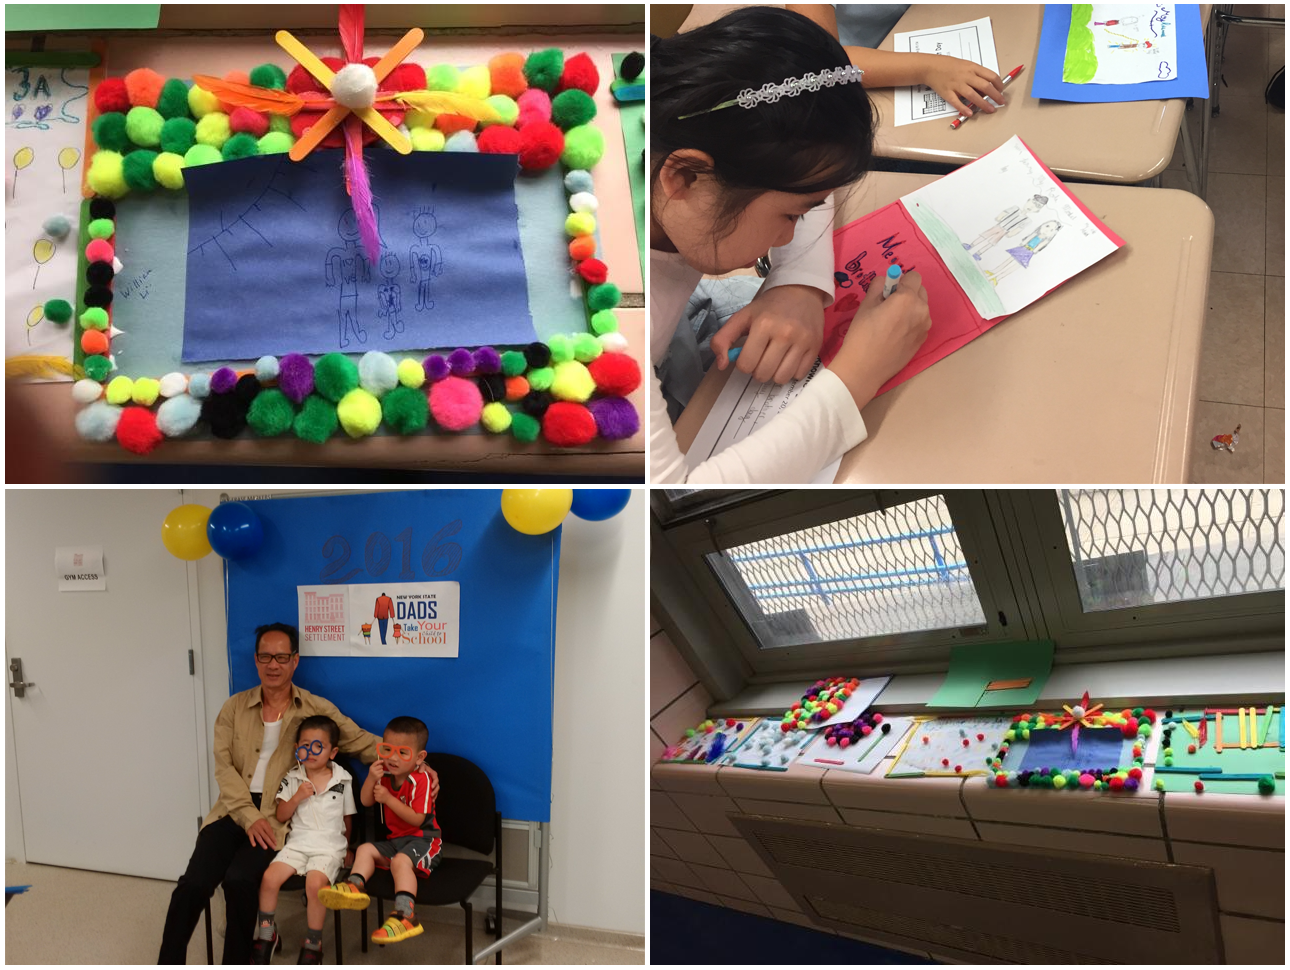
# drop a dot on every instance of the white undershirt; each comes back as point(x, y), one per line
point(272, 732)
point(814, 431)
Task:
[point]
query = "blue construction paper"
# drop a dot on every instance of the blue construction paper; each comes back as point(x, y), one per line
point(275, 263)
point(493, 702)
point(1192, 80)
point(1098, 748)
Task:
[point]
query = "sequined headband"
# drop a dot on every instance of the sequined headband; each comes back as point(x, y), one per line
point(791, 88)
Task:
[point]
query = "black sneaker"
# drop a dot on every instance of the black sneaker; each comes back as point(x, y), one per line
point(308, 955)
point(263, 950)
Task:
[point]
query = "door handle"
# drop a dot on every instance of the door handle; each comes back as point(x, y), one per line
point(18, 685)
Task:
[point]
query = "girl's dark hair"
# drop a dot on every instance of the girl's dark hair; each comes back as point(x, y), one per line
point(809, 143)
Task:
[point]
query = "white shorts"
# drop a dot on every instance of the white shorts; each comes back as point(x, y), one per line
point(327, 861)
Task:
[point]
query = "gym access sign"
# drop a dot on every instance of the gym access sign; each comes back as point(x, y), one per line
point(380, 620)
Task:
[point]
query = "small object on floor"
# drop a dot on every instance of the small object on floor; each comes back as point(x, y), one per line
point(398, 928)
point(1228, 441)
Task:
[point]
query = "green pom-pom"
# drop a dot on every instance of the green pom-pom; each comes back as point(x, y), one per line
point(202, 155)
point(178, 134)
point(405, 409)
point(525, 427)
point(1160, 784)
point(1267, 785)
point(604, 321)
point(143, 126)
point(241, 145)
point(541, 378)
point(107, 174)
point(271, 414)
point(137, 169)
point(269, 76)
point(168, 170)
point(586, 347)
point(561, 348)
point(59, 311)
point(109, 132)
point(97, 367)
point(572, 108)
point(506, 109)
point(542, 69)
point(316, 421)
point(213, 129)
point(94, 318)
point(513, 363)
point(583, 147)
point(173, 101)
point(604, 296)
point(280, 123)
point(335, 375)
point(1144, 730)
point(276, 142)
point(442, 77)
point(101, 228)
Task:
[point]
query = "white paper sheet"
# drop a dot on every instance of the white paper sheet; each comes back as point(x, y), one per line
point(769, 748)
point(1006, 229)
point(1121, 43)
point(44, 140)
point(742, 407)
point(79, 568)
point(420, 619)
point(973, 41)
point(862, 757)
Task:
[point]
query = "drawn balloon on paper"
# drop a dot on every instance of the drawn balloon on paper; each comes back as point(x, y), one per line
point(42, 252)
point(67, 159)
point(21, 159)
point(34, 316)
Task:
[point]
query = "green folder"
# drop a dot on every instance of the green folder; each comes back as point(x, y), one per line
point(973, 666)
point(80, 16)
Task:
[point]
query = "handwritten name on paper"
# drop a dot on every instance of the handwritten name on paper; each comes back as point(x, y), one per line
point(886, 248)
point(137, 287)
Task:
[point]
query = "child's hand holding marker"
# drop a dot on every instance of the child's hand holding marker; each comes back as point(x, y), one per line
point(969, 106)
point(890, 326)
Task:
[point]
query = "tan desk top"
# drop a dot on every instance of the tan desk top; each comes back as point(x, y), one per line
point(1094, 383)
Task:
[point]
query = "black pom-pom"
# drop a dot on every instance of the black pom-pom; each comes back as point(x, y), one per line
point(537, 354)
point(536, 403)
point(225, 414)
point(1169, 713)
point(886, 727)
point(493, 387)
point(245, 391)
point(99, 273)
point(632, 66)
point(101, 208)
point(97, 296)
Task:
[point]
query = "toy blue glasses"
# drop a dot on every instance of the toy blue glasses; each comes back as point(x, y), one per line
point(305, 750)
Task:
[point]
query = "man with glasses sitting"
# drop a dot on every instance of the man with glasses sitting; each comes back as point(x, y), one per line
point(254, 748)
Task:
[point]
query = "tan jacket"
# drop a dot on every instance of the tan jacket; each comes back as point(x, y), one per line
point(239, 732)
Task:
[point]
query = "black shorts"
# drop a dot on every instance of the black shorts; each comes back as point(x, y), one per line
point(423, 851)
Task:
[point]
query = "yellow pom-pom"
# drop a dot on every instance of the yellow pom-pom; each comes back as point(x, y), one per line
point(426, 139)
point(168, 170)
point(120, 390)
point(201, 102)
point(213, 130)
point(475, 82)
point(573, 382)
point(495, 417)
point(580, 224)
point(145, 391)
point(416, 118)
point(107, 175)
point(359, 412)
point(411, 372)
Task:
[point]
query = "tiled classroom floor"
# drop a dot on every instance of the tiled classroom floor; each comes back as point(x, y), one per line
point(1242, 368)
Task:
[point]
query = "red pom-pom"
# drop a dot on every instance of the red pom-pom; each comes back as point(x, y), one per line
point(1200, 787)
point(451, 124)
point(567, 424)
point(540, 145)
point(945, 762)
point(249, 120)
point(1149, 716)
point(506, 74)
point(300, 80)
point(111, 95)
point(593, 271)
point(1116, 783)
point(1001, 781)
point(1135, 772)
point(144, 85)
point(1191, 749)
point(580, 72)
point(499, 140)
point(137, 430)
point(406, 77)
point(615, 374)
point(456, 403)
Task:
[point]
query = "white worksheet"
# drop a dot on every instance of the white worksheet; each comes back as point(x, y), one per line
point(1121, 43)
point(863, 756)
point(972, 41)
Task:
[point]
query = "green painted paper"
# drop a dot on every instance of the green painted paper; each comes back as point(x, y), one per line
point(973, 665)
point(632, 118)
point(1081, 59)
point(81, 16)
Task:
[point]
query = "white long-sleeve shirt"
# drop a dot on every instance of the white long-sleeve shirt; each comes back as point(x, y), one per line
point(820, 426)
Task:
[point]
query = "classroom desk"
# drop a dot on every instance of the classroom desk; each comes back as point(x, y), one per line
point(1094, 383)
point(184, 55)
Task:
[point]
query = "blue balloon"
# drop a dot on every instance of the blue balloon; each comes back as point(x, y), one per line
point(234, 530)
point(597, 504)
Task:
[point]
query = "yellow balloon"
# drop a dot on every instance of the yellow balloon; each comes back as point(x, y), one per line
point(534, 511)
point(68, 157)
point(184, 532)
point(23, 157)
point(34, 317)
point(43, 251)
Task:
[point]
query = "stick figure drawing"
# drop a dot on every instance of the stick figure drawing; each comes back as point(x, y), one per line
point(345, 266)
point(1023, 254)
point(427, 258)
point(1009, 223)
point(389, 295)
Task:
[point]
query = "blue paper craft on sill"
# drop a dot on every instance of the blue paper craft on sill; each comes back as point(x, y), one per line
point(275, 264)
point(1099, 747)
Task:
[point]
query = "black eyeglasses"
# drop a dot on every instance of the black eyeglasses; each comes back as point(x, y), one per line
point(281, 658)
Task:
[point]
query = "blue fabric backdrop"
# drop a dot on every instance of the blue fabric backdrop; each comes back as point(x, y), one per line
point(492, 703)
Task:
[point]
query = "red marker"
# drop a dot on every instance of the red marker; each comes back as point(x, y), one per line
point(962, 118)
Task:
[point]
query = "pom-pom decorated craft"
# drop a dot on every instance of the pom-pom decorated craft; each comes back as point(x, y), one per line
point(712, 741)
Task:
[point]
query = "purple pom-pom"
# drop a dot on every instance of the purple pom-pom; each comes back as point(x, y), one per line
point(1130, 784)
point(296, 377)
point(436, 367)
point(487, 361)
point(224, 380)
point(615, 417)
point(462, 362)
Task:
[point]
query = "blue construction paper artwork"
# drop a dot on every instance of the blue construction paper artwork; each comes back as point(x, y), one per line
point(1099, 747)
point(275, 264)
point(1192, 80)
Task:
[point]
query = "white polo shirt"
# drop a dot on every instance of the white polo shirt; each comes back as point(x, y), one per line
point(319, 822)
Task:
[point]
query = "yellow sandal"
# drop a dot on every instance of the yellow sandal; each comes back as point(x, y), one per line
point(398, 928)
point(343, 895)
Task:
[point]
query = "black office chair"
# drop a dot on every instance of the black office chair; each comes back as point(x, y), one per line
point(466, 811)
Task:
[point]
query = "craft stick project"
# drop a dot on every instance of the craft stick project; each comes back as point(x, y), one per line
point(950, 747)
point(767, 748)
point(1218, 733)
point(1244, 766)
point(989, 239)
point(862, 756)
point(712, 739)
point(972, 41)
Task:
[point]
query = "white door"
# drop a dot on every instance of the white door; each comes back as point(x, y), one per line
point(105, 742)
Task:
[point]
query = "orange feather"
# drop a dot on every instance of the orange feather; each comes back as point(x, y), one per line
point(250, 96)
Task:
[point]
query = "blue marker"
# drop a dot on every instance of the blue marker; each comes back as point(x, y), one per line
point(734, 354)
point(889, 284)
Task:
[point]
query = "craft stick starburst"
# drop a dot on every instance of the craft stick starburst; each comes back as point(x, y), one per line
point(1077, 717)
point(356, 99)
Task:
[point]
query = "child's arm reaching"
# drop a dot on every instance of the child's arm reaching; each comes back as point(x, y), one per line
point(287, 805)
point(377, 771)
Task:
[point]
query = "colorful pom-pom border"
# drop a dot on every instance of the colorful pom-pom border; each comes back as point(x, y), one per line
point(1118, 779)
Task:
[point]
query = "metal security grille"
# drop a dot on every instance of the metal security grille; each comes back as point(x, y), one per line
point(1133, 547)
point(900, 570)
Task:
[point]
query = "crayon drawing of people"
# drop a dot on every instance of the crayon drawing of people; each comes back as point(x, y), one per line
point(345, 266)
point(1009, 223)
point(389, 295)
point(426, 257)
point(1023, 254)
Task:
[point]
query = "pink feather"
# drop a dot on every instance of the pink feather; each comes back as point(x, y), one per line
point(351, 31)
point(360, 189)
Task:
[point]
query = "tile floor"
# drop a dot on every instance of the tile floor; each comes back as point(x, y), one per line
point(1242, 368)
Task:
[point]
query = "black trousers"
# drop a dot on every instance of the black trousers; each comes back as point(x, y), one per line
point(223, 854)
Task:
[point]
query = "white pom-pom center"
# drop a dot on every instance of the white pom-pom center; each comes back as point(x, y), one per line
point(1078, 710)
point(354, 86)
